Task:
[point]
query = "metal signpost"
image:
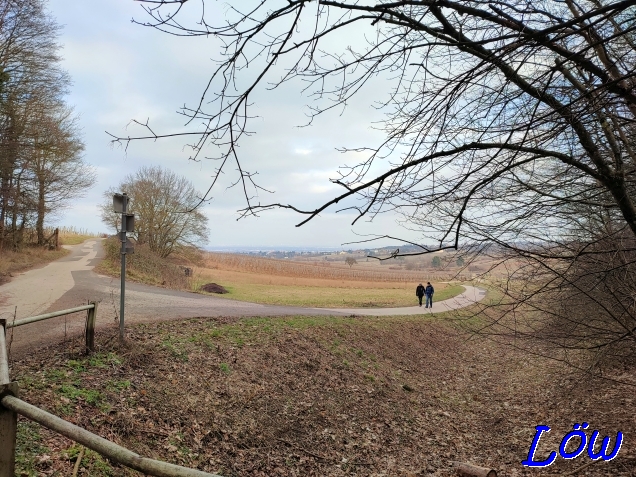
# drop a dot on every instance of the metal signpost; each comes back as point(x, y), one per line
point(120, 206)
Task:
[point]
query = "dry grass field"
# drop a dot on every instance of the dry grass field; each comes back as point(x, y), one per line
point(74, 236)
point(317, 292)
point(296, 283)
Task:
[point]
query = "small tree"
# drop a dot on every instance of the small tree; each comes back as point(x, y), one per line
point(163, 203)
point(436, 262)
point(350, 261)
point(459, 262)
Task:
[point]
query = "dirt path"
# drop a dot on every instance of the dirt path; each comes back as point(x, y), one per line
point(70, 282)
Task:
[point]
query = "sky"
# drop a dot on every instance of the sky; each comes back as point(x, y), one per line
point(122, 71)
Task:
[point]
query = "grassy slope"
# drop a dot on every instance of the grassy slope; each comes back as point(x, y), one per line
point(397, 396)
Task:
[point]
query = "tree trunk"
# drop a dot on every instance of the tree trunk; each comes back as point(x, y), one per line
point(39, 225)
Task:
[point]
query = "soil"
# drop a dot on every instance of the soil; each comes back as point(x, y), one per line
point(213, 288)
point(291, 396)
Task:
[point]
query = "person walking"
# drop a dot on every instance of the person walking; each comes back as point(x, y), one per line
point(419, 292)
point(429, 290)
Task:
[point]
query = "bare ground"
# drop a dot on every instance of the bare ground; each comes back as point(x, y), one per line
point(323, 395)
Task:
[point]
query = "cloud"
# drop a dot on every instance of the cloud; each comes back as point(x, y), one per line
point(123, 71)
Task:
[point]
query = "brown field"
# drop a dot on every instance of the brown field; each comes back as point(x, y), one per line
point(287, 282)
point(333, 268)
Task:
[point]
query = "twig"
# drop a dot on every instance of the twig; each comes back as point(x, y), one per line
point(78, 461)
point(579, 469)
point(158, 433)
point(110, 339)
point(15, 313)
point(318, 456)
point(576, 471)
point(112, 300)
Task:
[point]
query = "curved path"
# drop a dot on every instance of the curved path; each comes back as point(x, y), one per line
point(469, 296)
point(70, 282)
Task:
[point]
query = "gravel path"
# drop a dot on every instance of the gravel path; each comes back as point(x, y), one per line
point(70, 282)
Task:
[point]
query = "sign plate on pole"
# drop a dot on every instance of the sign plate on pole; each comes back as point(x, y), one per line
point(118, 203)
point(130, 222)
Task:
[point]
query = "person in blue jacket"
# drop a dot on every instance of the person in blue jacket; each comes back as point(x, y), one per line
point(429, 290)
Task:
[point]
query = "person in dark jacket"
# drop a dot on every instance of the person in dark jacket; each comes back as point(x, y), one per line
point(429, 290)
point(419, 292)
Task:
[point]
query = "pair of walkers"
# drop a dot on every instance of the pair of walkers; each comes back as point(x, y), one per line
point(420, 291)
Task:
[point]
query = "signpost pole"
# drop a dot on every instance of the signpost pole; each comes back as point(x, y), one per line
point(123, 269)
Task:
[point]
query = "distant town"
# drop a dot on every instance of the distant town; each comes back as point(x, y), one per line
point(292, 252)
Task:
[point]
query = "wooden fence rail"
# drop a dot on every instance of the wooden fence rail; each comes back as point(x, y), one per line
point(11, 406)
point(33, 319)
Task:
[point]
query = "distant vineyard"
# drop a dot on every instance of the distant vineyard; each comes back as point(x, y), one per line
point(270, 266)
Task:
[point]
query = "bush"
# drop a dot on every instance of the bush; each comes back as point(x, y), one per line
point(145, 266)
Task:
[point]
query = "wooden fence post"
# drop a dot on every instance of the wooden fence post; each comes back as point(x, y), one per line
point(8, 418)
point(90, 327)
point(8, 431)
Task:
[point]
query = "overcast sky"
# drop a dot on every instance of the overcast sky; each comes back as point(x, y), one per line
point(122, 71)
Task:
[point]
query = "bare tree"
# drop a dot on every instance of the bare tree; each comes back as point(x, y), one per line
point(31, 83)
point(350, 261)
point(59, 172)
point(508, 126)
point(163, 203)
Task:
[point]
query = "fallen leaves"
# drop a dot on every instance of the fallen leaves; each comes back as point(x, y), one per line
point(301, 401)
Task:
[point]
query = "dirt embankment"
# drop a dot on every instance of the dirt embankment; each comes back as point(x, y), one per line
point(317, 396)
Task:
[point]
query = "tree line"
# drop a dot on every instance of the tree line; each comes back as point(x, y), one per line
point(41, 162)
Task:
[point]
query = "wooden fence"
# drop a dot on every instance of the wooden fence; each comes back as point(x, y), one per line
point(11, 406)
